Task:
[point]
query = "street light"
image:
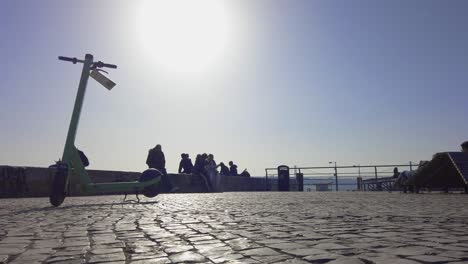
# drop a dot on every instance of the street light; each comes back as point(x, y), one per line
point(336, 175)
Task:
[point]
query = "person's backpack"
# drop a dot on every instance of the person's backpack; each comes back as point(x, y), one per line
point(83, 158)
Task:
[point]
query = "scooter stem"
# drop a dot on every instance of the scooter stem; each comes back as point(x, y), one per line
point(69, 149)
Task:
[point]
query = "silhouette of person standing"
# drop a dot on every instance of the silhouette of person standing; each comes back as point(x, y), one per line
point(199, 169)
point(157, 160)
point(212, 173)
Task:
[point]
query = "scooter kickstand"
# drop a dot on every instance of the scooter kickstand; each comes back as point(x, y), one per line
point(125, 197)
point(138, 198)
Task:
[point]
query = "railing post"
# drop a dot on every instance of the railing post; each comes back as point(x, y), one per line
point(359, 183)
point(378, 185)
point(410, 166)
point(336, 177)
point(302, 180)
point(266, 179)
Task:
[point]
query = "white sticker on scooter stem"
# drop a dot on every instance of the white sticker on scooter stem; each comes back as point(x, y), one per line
point(103, 80)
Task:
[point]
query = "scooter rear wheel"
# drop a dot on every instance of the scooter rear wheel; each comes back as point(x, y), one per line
point(57, 191)
point(154, 189)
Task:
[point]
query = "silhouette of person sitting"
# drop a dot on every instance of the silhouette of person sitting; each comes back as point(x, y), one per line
point(185, 165)
point(464, 147)
point(205, 159)
point(232, 169)
point(224, 169)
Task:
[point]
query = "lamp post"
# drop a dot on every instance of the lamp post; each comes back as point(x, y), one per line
point(336, 175)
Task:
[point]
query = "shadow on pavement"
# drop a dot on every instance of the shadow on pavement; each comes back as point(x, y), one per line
point(71, 206)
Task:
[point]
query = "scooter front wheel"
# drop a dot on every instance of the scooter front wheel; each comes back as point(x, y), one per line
point(57, 191)
point(56, 199)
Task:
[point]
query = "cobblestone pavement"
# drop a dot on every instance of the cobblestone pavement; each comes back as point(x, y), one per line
point(238, 228)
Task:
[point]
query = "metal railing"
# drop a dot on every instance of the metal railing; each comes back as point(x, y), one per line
point(338, 178)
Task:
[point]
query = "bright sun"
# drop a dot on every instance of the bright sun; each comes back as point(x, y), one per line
point(185, 36)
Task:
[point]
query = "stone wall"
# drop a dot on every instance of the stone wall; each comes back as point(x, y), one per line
point(35, 182)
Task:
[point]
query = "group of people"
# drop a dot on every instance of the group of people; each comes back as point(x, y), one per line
point(205, 162)
point(405, 179)
point(205, 166)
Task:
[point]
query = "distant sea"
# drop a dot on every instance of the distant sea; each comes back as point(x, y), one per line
point(343, 184)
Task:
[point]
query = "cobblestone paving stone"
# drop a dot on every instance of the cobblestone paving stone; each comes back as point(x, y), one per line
point(335, 228)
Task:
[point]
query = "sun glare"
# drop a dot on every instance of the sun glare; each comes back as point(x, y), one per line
point(185, 36)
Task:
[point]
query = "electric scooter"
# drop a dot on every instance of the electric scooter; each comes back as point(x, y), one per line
point(71, 164)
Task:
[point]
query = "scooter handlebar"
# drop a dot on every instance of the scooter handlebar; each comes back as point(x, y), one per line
point(65, 58)
point(109, 65)
point(98, 64)
point(74, 60)
point(101, 64)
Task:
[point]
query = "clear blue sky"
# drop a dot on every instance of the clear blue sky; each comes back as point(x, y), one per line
point(286, 82)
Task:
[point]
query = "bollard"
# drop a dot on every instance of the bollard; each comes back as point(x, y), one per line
point(300, 181)
point(283, 178)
